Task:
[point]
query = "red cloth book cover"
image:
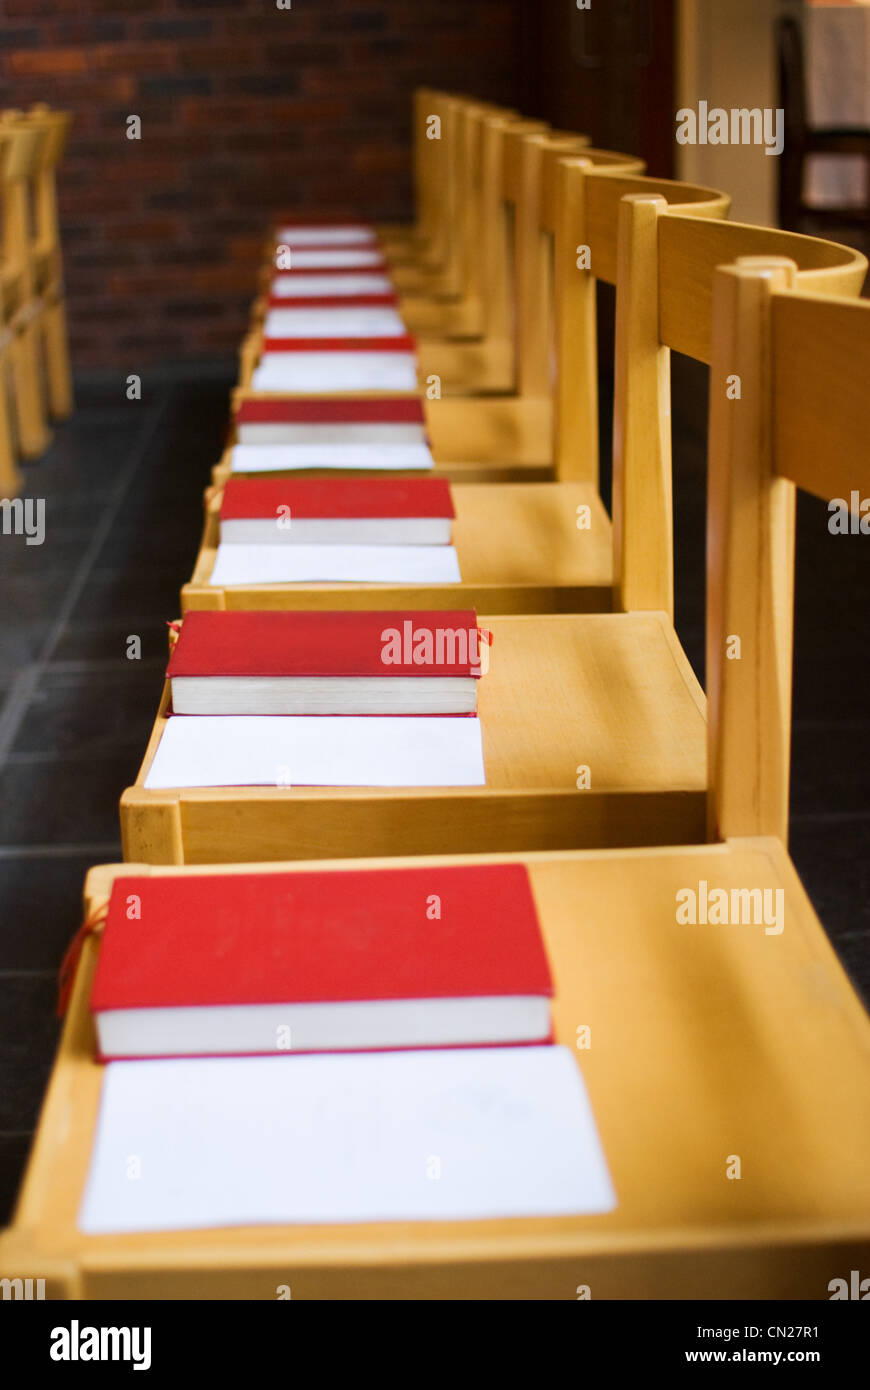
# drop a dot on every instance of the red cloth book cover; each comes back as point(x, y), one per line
point(236, 939)
point(333, 301)
point(311, 498)
point(402, 342)
point(328, 643)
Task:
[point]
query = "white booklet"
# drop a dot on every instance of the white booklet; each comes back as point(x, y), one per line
point(439, 1135)
point(251, 750)
point(334, 564)
point(336, 371)
point(297, 285)
point(288, 458)
point(334, 257)
point(327, 234)
point(334, 322)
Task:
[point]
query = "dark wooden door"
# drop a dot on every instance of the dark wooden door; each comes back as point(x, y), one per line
point(607, 71)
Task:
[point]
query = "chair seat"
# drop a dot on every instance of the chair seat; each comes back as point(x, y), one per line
point(467, 368)
point(706, 1044)
point(424, 316)
point(611, 693)
point(518, 546)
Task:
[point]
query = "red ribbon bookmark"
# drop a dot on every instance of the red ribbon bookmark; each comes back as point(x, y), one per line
point(69, 964)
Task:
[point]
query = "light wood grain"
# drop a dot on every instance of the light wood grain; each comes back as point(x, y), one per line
point(606, 190)
point(750, 565)
point(643, 542)
point(821, 359)
point(691, 249)
point(47, 256)
point(706, 1042)
point(21, 150)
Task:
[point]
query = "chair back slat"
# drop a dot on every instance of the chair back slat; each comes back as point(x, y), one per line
point(589, 197)
point(606, 191)
point(669, 305)
point(690, 249)
point(821, 395)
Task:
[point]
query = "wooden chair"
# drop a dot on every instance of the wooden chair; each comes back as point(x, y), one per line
point(542, 546)
point(728, 1064)
point(511, 250)
point(614, 688)
point(47, 257)
point(414, 243)
point(487, 138)
point(802, 140)
point(10, 478)
point(511, 438)
point(22, 153)
point(428, 253)
point(467, 340)
point(446, 172)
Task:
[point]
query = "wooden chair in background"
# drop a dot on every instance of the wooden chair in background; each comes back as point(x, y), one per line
point(22, 151)
point(803, 140)
point(10, 478)
point(727, 1062)
point(47, 257)
point(413, 243)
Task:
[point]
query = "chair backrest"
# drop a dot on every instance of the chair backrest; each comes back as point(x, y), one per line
point(494, 249)
point(587, 218)
point(531, 158)
point(789, 407)
point(54, 126)
point(22, 152)
point(475, 205)
point(450, 178)
point(527, 156)
point(664, 300)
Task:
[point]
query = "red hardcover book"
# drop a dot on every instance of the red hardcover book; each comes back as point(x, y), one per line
point(330, 961)
point(310, 419)
point(324, 498)
point(402, 342)
point(333, 301)
point(329, 662)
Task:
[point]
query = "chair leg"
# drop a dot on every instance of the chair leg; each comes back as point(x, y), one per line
point(10, 478)
point(60, 392)
point(34, 436)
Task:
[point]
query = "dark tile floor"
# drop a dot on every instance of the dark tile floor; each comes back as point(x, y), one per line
point(123, 487)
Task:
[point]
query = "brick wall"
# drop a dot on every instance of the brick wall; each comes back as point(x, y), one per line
point(245, 109)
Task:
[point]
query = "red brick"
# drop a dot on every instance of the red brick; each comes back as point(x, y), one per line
point(245, 109)
point(47, 62)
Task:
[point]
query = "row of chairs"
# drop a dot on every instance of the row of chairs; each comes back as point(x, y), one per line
point(728, 1065)
point(35, 378)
